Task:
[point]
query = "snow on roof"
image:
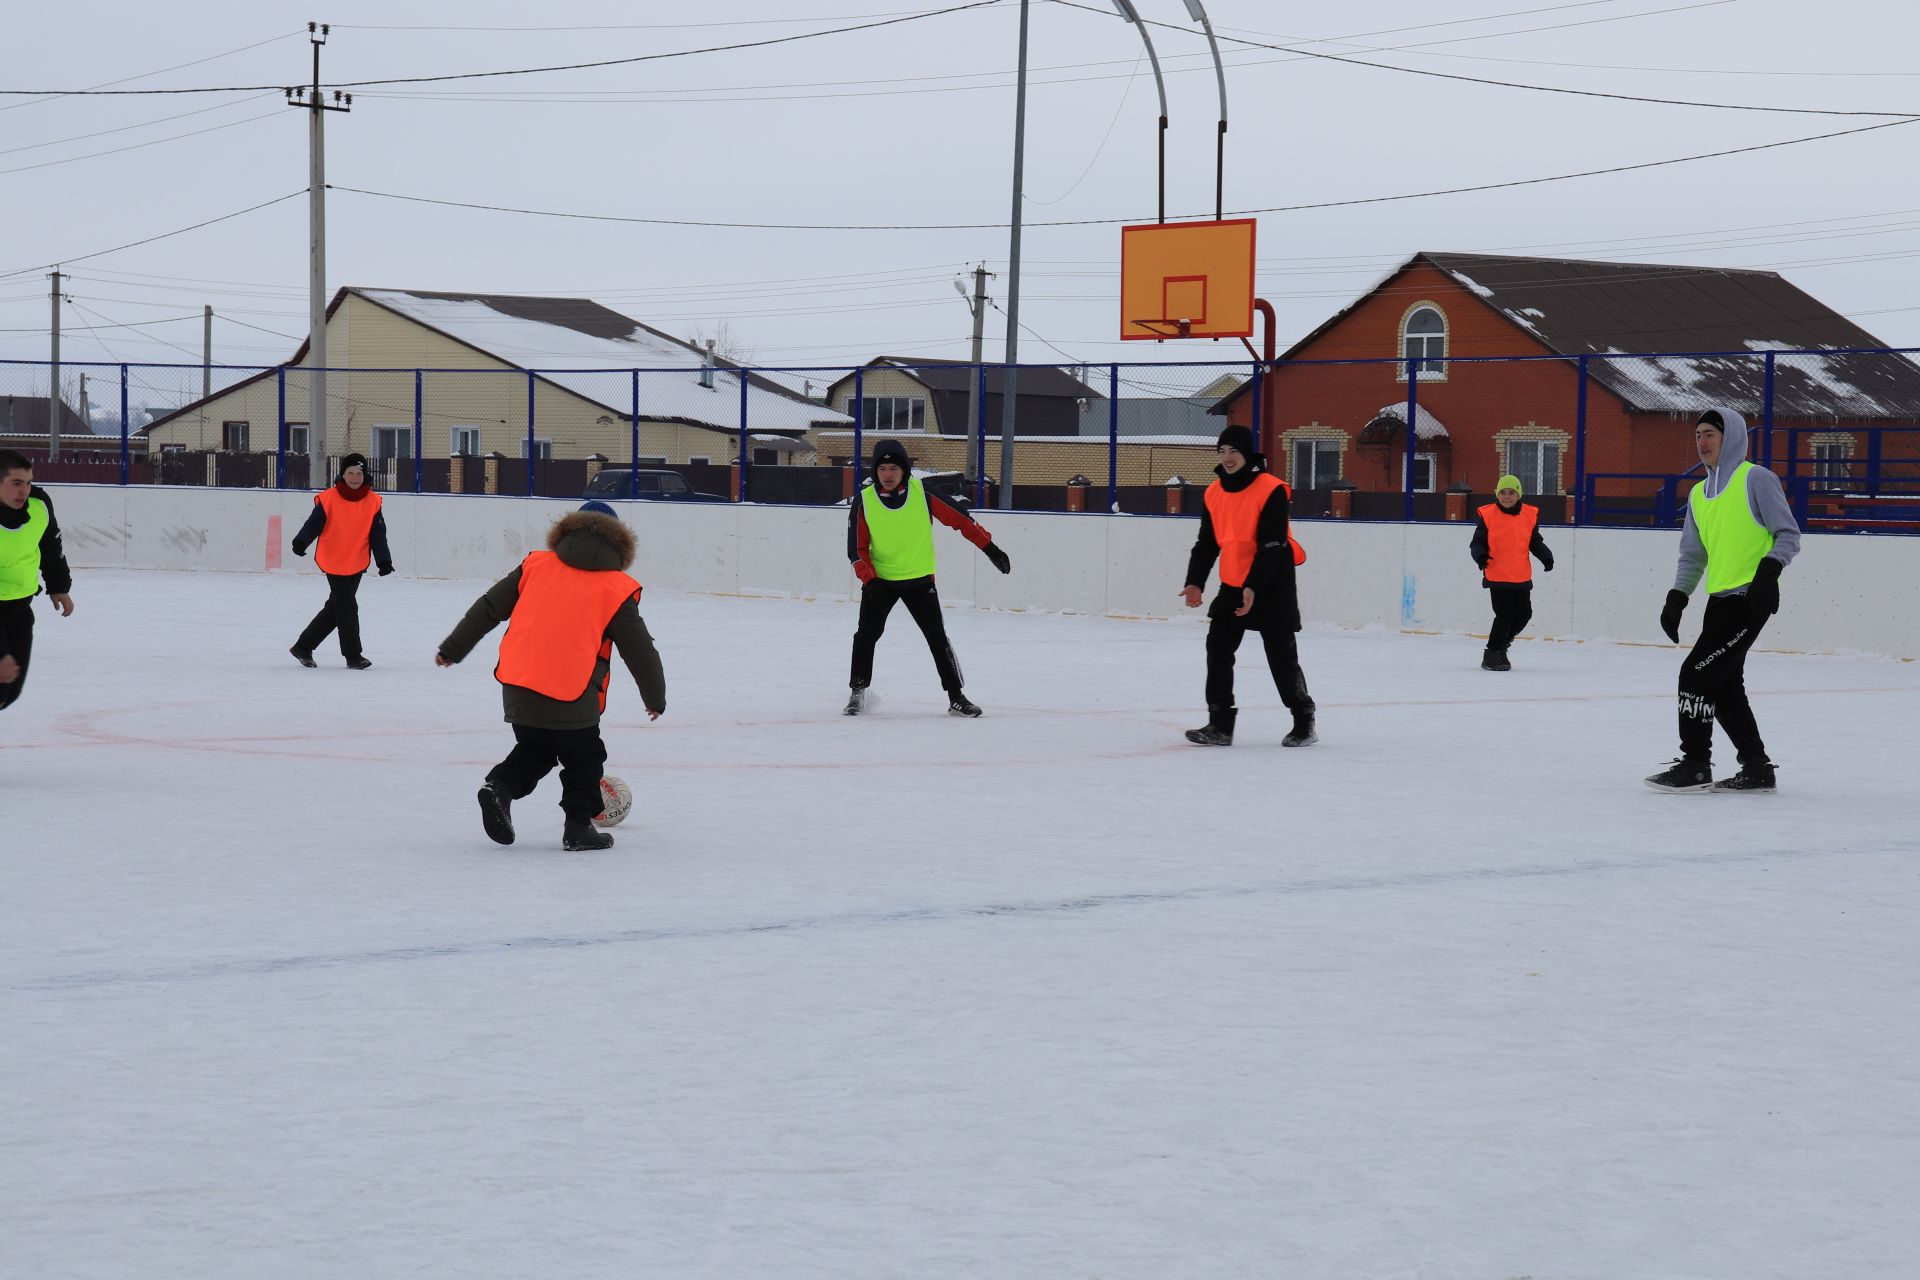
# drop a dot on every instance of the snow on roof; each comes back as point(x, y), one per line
point(1471, 283)
point(595, 366)
point(1425, 425)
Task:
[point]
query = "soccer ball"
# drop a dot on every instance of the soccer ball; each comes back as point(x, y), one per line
point(618, 801)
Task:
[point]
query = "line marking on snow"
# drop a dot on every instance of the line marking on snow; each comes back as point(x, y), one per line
point(269, 965)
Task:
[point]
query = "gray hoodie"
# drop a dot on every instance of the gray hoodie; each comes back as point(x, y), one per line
point(1766, 498)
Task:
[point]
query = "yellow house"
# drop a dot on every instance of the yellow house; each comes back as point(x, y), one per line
point(474, 374)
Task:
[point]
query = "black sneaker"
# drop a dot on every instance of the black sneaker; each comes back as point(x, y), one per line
point(303, 656)
point(584, 837)
point(1751, 778)
point(1683, 775)
point(496, 814)
point(1210, 736)
point(1303, 734)
point(960, 706)
point(856, 703)
point(1495, 660)
point(358, 664)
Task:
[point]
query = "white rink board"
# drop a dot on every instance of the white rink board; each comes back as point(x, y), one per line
point(1844, 594)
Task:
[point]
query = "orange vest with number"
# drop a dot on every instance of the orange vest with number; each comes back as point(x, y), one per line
point(1236, 525)
point(1509, 536)
point(558, 633)
point(346, 544)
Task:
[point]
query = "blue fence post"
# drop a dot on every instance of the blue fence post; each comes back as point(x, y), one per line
point(419, 417)
point(633, 444)
point(1113, 438)
point(859, 433)
point(280, 427)
point(531, 448)
point(980, 439)
point(125, 468)
point(1413, 435)
point(1874, 437)
point(1258, 418)
point(1581, 501)
point(1766, 416)
point(745, 457)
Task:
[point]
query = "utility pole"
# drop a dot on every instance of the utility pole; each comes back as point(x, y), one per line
point(311, 100)
point(978, 305)
point(206, 355)
point(53, 383)
point(86, 412)
point(1009, 386)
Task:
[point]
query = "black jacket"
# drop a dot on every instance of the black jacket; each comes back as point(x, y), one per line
point(1276, 599)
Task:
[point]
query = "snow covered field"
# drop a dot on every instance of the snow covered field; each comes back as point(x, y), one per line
point(1049, 994)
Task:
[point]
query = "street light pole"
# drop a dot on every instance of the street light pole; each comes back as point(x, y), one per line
point(1009, 386)
point(1132, 15)
point(1198, 13)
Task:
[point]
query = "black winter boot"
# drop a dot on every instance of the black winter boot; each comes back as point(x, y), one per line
point(358, 664)
point(1303, 734)
point(1495, 660)
point(582, 837)
point(1752, 778)
point(960, 706)
point(496, 814)
point(856, 701)
point(1218, 731)
point(1683, 775)
point(303, 656)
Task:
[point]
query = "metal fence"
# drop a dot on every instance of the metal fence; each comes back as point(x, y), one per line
point(1597, 439)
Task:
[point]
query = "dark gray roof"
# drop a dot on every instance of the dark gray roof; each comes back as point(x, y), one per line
point(27, 416)
point(958, 375)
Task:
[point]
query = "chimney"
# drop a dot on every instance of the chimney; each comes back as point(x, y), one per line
point(706, 367)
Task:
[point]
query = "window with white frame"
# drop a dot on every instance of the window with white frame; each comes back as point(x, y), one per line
point(296, 437)
point(233, 436)
point(1536, 463)
point(1832, 462)
point(392, 442)
point(700, 462)
point(466, 442)
point(1316, 463)
point(1426, 468)
point(890, 413)
point(542, 448)
point(1424, 339)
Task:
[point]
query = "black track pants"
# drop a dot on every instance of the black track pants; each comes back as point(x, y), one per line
point(877, 599)
point(342, 611)
point(17, 617)
point(1224, 635)
point(582, 758)
point(1512, 610)
point(1713, 683)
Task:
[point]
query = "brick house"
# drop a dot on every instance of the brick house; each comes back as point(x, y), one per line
point(1476, 420)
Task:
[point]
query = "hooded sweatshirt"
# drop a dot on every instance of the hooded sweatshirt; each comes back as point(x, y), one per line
point(1766, 498)
point(582, 540)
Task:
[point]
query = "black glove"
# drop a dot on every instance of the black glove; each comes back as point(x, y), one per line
point(999, 558)
point(299, 549)
point(1546, 562)
point(1763, 593)
point(1482, 562)
point(1670, 616)
point(385, 569)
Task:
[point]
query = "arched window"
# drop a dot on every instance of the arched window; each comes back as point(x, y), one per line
point(1425, 340)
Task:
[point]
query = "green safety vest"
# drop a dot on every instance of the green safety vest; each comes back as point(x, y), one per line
point(900, 543)
point(20, 554)
point(1735, 541)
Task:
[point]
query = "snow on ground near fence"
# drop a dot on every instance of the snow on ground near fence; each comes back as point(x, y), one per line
point(1048, 994)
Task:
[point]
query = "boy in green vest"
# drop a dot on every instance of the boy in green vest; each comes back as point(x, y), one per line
point(890, 542)
point(1739, 534)
point(29, 551)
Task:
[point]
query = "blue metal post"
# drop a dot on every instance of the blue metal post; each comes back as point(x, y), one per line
point(1874, 437)
point(1258, 388)
point(980, 436)
point(124, 461)
point(1766, 416)
point(419, 417)
point(1580, 500)
point(744, 455)
point(859, 433)
point(1113, 438)
point(280, 427)
point(633, 445)
point(530, 444)
point(1413, 436)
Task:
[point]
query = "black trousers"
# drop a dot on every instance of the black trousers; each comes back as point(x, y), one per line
point(582, 758)
point(16, 618)
point(877, 599)
point(1512, 610)
point(342, 611)
point(1224, 635)
point(1713, 683)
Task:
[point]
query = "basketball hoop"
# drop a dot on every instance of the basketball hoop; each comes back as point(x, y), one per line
point(1189, 279)
point(1166, 328)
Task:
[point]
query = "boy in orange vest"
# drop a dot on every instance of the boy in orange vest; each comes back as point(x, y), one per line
point(350, 534)
point(1245, 527)
point(566, 609)
point(1506, 533)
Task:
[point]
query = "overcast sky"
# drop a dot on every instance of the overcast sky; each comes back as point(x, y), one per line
point(912, 123)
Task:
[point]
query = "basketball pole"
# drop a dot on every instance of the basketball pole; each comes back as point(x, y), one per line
point(1010, 383)
point(1132, 15)
point(1198, 13)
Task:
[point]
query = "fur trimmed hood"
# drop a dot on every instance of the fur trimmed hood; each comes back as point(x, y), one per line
point(588, 540)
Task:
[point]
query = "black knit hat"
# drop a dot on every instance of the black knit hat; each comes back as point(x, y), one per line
point(353, 460)
point(891, 451)
point(1238, 437)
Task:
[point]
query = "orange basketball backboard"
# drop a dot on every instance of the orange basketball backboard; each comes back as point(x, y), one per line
point(1187, 280)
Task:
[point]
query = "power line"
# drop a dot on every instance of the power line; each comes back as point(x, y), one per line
point(132, 244)
point(81, 328)
point(137, 146)
point(99, 89)
point(643, 26)
point(144, 124)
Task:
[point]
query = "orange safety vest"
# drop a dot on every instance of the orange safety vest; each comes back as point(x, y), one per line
point(557, 635)
point(1509, 538)
point(1236, 525)
point(346, 543)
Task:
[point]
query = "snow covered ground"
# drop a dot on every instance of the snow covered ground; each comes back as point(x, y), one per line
point(1048, 994)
